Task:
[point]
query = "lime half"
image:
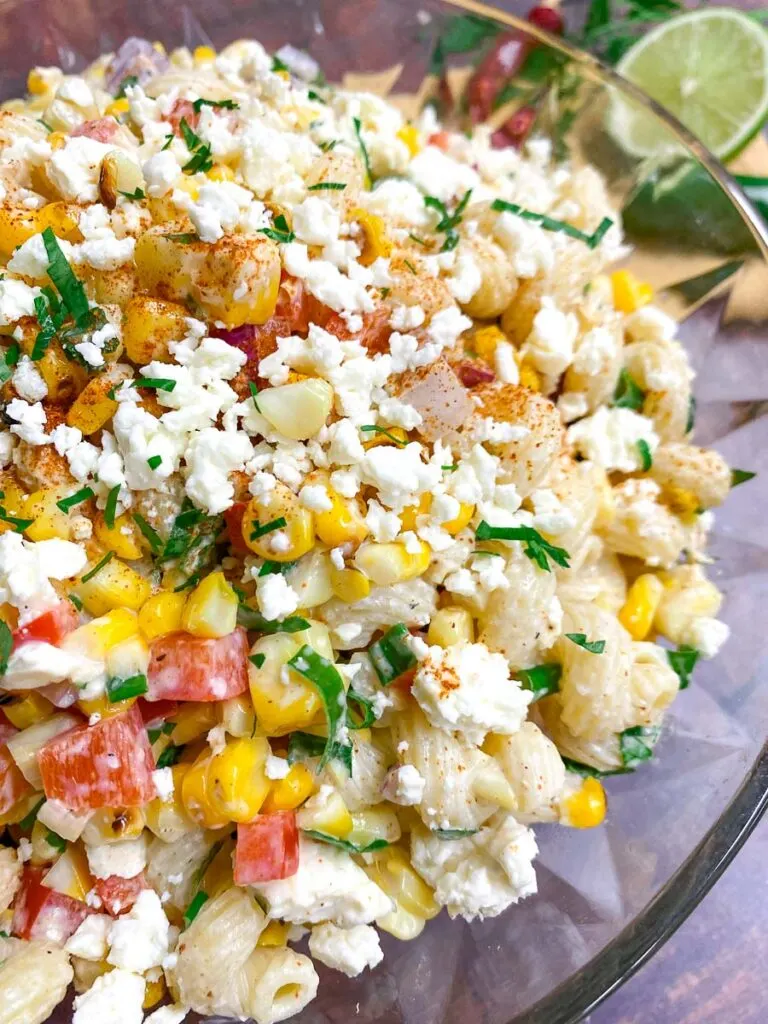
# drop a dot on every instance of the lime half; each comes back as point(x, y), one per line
point(710, 69)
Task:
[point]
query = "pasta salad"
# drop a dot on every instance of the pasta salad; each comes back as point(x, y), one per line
point(346, 491)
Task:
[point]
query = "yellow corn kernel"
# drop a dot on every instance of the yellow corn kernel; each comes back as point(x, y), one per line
point(326, 812)
point(154, 991)
point(376, 244)
point(28, 710)
point(70, 875)
point(451, 625)
point(681, 501)
point(118, 107)
point(460, 520)
point(38, 83)
point(149, 326)
point(410, 514)
point(161, 614)
point(42, 851)
point(374, 823)
point(99, 635)
point(104, 707)
point(288, 793)
point(299, 529)
point(211, 609)
point(128, 658)
point(196, 796)
point(48, 520)
point(586, 808)
point(485, 340)
point(220, 172)
point(114, 585)
point(124, 538)
point(629, 294)
point(298, 410)
point(274, 935)
point(643, 598)
point(167, 819)
point(63, 378)
point(193, 721)
point(349, 585)
point(9, 615)
point(376, 438)
point(529, 378)
point(228, 786)
point(342, 523)
point(283, 700)
point(204, 54)
point(113, 825)
point(391, 563)
point(409, 134)
point(237, 716)
point(62, 221)
point(93, 407)
point(391, 869)
point(17, 224)
point(56, 140)
point(606, 503)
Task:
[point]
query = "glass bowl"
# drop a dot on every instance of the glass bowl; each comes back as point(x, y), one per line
point(610, 897)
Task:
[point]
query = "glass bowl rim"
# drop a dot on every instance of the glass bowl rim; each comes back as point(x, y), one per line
point(638, 941)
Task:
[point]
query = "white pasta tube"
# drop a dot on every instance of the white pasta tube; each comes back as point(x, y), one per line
point(34, 978)
point(276, 984)
point(701, 471)
point(533, 767)
point(522, 621)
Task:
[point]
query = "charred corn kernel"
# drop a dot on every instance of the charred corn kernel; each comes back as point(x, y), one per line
point(237, 715)
point(61, 219)
point(48, 520)
point(118, 107)
point(124, 538)
point(391, 869)
point(93, 407)
point(63, 378)
point(283, 700)
point(586, 808)
point(192, 721)
point(167, 819)
point(211, 609)
point(629, 294)
point(70, 875)
point(375, 438)
point(451, 625)
point(28, 710)
point(485, 340)
point(220, 172)
point(285, 543)
point(274, 935)
point(643, 599)
point(288, 793)
point(349, 585)
point(154, 991)
point(387, 564)
point(376, 243)
point(529, 378)
point(326, 812)
point(204, 54)
point(114, 585)
point(42, 851)
point(681, 501)
point(342, 523)
point(299, 410)
point(161, 614)
point(410, 136)
point(113, 825)
point(97, 636)
point(149, 326)
point(229, 786)
point(104, 707)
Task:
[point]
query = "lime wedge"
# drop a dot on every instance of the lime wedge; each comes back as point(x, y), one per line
point(710, 69)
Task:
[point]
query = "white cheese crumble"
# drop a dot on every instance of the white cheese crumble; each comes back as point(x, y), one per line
point(125, 859)
point(349, 950)
point(404, 786)
point(116, 996)
point(139, 939)
point(610, 438)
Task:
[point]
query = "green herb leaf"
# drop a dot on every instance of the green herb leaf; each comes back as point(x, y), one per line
point(740, 476)
point(189, 582)
point(168, 140)
point(448, 834)
point(280, 232)
point(365, 716)
point(304, 745)
point(371, 428)
point(343, 844)
point(55, 841)
point(410, 266)
point(636, 744)
point(390, 655)
point(254, 394)
point(275, 568)
point(683, 661)
point(196, 905)
point(270, 527)
point(537, 548)
point(18, 525)
point(328, 146)
point(552, 224)
point(152, 536)
point(111, 507)
point(363, 149)
point(279, 65)
point(542, 680)
point(184, 237)
point(592, 646)
point(126, 82)
point(98, 567)
point(155, 383)
point(121, 689)
point(6, 646)
point(29, 820)
point(587, 771)
point(449, 469)
point(691, 421)
point(76, 601)
point(75, 499)
point(257, 659)
point(628, 394)
point(332, 186)
point(325, 677)
point(154, 461)
point(198, 105)
point(449, 221)
point(47, 330)
point(417, 240)
point(249, 618)
point(169, 756)
point(136, 194)
point(464, 33)
point(9, 359)
point(646, 458)
point(69, 287)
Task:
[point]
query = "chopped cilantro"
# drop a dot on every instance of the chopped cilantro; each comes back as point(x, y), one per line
point(592, 646)
point(537, 548)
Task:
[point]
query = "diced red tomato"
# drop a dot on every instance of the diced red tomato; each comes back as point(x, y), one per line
point(109, 764)
point(440, 139)
point(51, 627)
point(102, 129)
point(233, 517)
point(184, 667)
point(13, 785)
point(267, 848)
point(155, 712)
point(182, 109)
point(374, 335)
point(117, 894)
point(41, 913)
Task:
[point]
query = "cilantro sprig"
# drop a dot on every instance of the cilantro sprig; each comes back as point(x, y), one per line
point(281, 231)
point(741, 476)
point(553, 224)
point(628, 393)
point(646, 457)
point(536, 547)
point(344, 844)
point(201, 158)
point(198, 105)
point(541, 680)
point(363, 149)
point(591, 646)
point(682, 662)
point(305, 745)
point(636, 744)
point(390, 655)
point(6, 646)
point(449, 220)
